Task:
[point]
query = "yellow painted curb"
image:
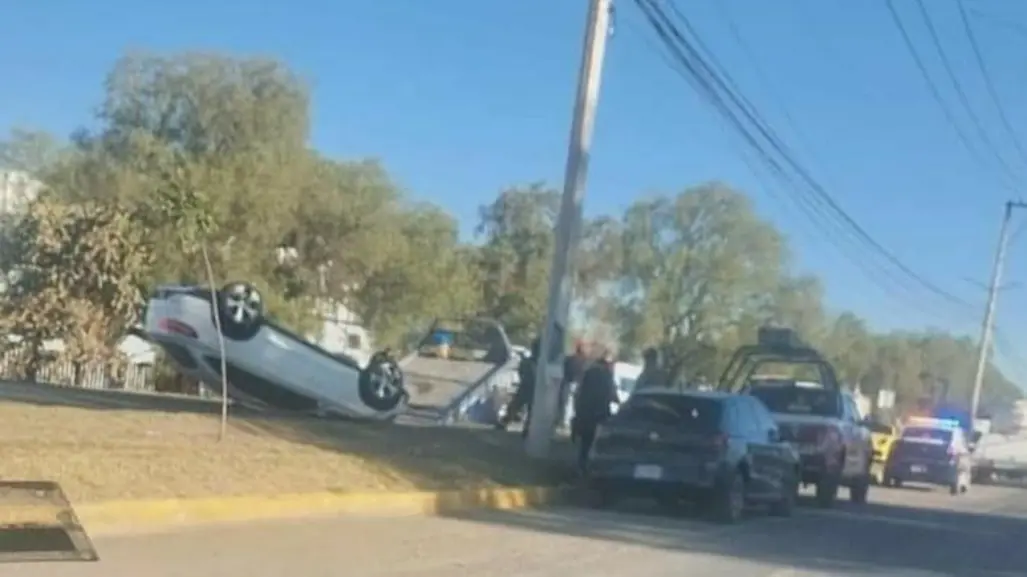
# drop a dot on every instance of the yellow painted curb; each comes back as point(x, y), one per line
point(129, 516)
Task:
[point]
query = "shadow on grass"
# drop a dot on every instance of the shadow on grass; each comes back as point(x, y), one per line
point(876, 539)
point(433, 457)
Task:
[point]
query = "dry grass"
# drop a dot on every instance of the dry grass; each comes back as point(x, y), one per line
point(124, 454)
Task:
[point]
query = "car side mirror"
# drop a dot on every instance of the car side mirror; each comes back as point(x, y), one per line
point(773, 435)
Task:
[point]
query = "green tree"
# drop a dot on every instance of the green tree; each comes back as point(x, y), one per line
point(690, 265)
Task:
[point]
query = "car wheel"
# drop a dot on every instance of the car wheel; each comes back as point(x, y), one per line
point(729, 499)
point(784, 506)
point(240, 310)
point(859, 489)
point(381, 384)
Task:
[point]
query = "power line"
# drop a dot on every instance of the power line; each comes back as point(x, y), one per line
point(718, 88)
point(982, 66)
point(958, 88)
point(932, 87)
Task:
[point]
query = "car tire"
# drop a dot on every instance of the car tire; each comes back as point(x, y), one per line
point(240, 310)
point(381, 384)
point(784, 506)
point(728, 503)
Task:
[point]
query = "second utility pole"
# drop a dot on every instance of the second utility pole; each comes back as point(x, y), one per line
point(988, 327)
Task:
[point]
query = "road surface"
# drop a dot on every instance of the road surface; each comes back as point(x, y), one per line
point(929, 534)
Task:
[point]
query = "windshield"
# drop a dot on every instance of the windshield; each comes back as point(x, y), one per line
point(696, 414)
point(798, 401)
point(926, 435)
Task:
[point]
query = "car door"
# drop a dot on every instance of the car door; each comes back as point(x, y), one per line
point(760, 446)
point(858, 449)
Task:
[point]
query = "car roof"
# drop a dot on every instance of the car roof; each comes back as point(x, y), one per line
point(695, 393)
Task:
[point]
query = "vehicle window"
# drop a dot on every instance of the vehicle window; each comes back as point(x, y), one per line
point(353, 341)
point(698, 414)
point(626, 385)
point(798, 401)
point(926, 435)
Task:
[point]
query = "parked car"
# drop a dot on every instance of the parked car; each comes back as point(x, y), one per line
point(267, 364)
point(719, 450)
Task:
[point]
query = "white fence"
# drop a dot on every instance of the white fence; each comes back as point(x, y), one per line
point(85, 375)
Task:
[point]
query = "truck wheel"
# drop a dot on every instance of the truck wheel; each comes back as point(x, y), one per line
point(240, 309)
point(728, 503)
point(381, 384)
point(827, 490)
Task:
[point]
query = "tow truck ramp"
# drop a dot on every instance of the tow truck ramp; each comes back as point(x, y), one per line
point(456, 366)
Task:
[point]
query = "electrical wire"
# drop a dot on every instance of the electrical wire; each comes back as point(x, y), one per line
point(958, 88)
point(988, 83)
point(717, 87)
point(933, 88)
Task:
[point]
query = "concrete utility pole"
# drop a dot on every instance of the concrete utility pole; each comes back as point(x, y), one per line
point(551, 353)
point(988, 326)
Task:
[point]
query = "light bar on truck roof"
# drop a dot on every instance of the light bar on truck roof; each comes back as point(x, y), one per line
point(930, 423)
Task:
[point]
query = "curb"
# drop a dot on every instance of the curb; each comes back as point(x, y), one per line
point(119, 517)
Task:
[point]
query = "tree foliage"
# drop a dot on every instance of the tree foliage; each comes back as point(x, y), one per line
point(199, 151)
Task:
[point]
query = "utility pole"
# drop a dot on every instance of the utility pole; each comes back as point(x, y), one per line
point(988, 326)
point(551, 352)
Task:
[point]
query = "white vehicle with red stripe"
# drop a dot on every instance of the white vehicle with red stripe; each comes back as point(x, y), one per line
point(267, 365)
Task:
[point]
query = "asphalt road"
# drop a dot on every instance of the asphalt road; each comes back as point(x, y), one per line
point(902, 533)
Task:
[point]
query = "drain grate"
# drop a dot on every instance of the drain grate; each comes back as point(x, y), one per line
point(37, 523)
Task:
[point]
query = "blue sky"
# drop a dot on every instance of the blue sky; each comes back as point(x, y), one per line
point(460, 98)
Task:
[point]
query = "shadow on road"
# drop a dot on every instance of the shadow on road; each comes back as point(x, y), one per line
point(875, 539)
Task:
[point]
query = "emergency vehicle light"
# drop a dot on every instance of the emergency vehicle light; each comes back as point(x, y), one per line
point(947, 424)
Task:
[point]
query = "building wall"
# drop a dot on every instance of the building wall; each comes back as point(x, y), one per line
point(17, 189)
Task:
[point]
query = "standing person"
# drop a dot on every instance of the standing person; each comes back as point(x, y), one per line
point(573, 370)
point(525, 393)
point(592, 402)
point(652, 371)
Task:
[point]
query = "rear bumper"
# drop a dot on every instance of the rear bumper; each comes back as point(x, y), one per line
point(680, 479)
point(929, 473)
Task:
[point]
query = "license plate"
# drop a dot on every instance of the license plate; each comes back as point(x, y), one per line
point(807, 449)
point(649, 472)
point(917, 469)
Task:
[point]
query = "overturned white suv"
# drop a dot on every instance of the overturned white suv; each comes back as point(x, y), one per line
point(268, 365)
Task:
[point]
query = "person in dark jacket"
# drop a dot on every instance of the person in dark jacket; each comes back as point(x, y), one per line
point(652, 371)
point(592, 402)
point(573, 370)
point(525, 393)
